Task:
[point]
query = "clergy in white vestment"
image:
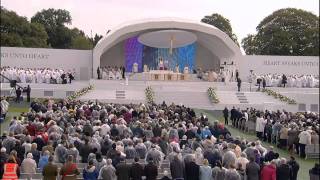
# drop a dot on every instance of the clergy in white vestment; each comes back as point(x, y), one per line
point(145, 68)
point(135, 67)
point(22, 77)
point(104, 74)
point(186, 70)
point(118, 75)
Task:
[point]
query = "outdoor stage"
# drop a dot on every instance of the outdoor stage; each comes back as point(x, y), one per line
point(190, 93)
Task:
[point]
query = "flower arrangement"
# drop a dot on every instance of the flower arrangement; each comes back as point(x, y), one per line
point(279, 96)
point(79, 93)
point(150, 95)
point(212, 95)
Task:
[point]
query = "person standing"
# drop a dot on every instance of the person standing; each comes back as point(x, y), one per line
point(123, 170)
point(4, 105)
point(233, 113)
point(28, 91)
point(192, 170)
point(136, 170)
point(283, 170)
point(284, 80)
point(252, 169)
point(11, 169)
point(304, 139)
point(177, 168)
point(268, 172)
point(108, 172)
point(18, 94)
point(226, 115)
point(69, 170)
point(151, 170)
point(90, 172)
point(50, 171)
point(264, 83)
point(205, 171)
point(294, 165)
point(98, 72)
point(239, 84)
point(123, 72)
point(260, 123)
point(237, 74)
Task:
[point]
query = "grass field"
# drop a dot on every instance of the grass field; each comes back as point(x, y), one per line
point(305, 165)
point(15, 109)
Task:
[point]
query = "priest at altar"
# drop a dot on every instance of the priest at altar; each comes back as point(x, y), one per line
point(135, 67)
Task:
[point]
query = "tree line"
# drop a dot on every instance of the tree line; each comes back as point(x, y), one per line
point(286, 31)
point(46, 29)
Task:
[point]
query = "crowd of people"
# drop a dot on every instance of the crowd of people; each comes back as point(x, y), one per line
point(37, 75)
point(277, 80)
point(106, 135)
point(111, 73)
point(289, 131)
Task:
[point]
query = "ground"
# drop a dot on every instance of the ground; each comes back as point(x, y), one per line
point(16, 109)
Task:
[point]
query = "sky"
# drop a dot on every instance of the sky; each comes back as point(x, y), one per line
point(101, 15)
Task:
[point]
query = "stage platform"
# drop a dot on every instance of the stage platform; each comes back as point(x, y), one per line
point(189, 93)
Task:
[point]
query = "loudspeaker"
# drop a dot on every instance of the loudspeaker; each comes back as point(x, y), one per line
point(13, 83)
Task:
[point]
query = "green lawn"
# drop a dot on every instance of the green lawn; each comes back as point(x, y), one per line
point(14, 110)
point(305, 165)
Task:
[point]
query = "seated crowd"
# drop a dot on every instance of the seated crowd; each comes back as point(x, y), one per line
point(277, 80)
point(37, 75)
point(111, 73)
point(55, 138)
point(287, 130)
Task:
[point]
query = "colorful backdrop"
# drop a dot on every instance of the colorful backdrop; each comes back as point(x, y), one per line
point(141, 54)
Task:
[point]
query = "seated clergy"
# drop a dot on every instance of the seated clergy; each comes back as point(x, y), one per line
point(111, 75)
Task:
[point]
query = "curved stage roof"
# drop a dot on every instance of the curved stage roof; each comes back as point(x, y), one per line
point(218, 42)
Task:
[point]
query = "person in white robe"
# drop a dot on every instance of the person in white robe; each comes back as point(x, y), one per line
point(135, 67)
point(22, 77)
point(145, 68)
point(111, 75)
point(104, 74)
point(118, 75)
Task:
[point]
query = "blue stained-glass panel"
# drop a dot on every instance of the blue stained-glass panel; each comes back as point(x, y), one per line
point(137, 52)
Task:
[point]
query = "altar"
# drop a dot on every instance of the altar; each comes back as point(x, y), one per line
point(165, 75)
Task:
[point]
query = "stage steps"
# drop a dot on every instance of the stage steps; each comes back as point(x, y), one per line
point(120, 94)
point(242, 98)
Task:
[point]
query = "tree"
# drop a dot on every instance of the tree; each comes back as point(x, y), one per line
point(96, 39)
point(249, 44)
point(54, 21)
point(221, 23)
point(81, 42)
point(285, 32)
point(18, 31)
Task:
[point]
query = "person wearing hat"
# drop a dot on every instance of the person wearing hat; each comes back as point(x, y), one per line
point(29, 165)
